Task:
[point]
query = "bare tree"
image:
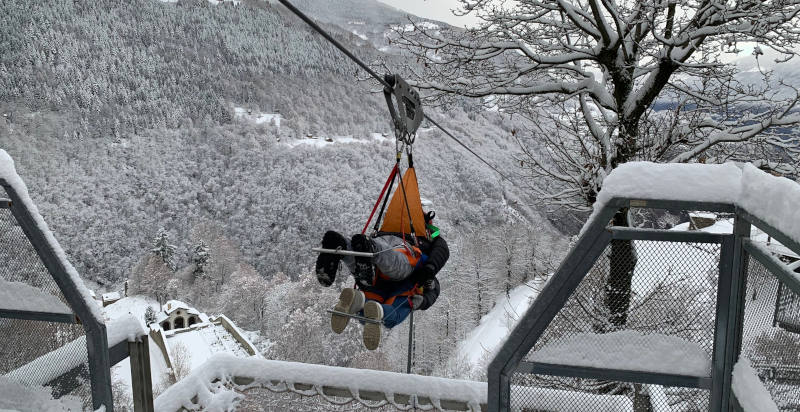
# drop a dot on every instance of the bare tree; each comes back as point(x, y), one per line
point(606, 82)
point(181, 361)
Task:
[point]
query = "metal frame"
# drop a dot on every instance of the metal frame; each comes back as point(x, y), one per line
point(41, 316)
point(700, 382)
point(95, 328)
point(734, 254)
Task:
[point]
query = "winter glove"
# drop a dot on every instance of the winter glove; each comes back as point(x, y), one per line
point(416, 301)
point(428, 284)
point(423, 273)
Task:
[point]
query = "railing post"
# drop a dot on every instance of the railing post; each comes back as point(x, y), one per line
point(141, 381)
point(730, 314)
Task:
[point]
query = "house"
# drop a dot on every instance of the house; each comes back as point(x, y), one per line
point(178, 315)
point(109, 298)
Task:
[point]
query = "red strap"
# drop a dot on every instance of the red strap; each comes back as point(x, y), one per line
point(374, 208)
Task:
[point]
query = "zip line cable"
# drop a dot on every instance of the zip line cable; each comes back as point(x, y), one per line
point(377, 77)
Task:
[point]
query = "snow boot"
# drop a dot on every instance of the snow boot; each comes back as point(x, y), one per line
point(350, 301)
point(364, 271)
point(372, 331)
point(328, 264)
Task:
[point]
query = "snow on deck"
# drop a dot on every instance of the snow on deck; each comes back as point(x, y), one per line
point(628, 350)
point(280, 374)
point(17, 397)
point(9, 174)
point(51, 365)
point(23, 297)
point(749, 390)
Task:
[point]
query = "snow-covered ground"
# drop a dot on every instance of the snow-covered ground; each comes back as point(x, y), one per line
point(202, 341)
point(255, 117)
point(327, 141)
point(480, 345)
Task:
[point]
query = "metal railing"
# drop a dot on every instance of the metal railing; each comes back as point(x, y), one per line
point(686, 294)
point(50, 336)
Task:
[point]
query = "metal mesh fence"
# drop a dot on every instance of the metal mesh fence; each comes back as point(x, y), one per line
point(38, 353)
point(19, 258)
point(646, 287)
point(773, 350)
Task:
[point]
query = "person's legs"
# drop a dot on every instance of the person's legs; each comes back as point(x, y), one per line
point(372, 331)
point(328, 264)
point(351, 301)
point(396, 313)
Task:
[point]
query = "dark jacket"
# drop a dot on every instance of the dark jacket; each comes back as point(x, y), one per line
point(430, 292)
point(438, 253)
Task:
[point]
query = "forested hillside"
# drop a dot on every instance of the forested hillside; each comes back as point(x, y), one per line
point(121, 117)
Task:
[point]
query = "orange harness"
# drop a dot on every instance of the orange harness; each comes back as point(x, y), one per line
point(414, 255)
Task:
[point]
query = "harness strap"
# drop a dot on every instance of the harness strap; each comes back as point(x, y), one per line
point(389, 181)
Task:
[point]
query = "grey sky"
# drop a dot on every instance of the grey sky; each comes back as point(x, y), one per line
point(433, 9)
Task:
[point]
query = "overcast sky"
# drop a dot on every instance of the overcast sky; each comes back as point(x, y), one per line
point(433, 9)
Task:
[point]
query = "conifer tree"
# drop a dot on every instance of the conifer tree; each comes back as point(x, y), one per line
point(149, 315)
point(163, 249)
point(201, 258)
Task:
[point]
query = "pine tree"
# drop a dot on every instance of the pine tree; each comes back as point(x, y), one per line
point(163, 249)
point(149, 315)
point(201, 258)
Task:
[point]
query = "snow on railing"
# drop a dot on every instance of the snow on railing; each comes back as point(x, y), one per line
point(746, 188)
point(748, 389)
point(23, 297)
point(208, 385)
point(9, 176)
point(65, 359)
point(628, 350)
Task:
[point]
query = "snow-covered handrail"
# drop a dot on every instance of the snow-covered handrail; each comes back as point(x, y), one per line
point(373, 388)
point(765, 198)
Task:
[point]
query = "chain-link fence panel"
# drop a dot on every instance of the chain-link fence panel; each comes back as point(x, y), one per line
point(19, 258)
point(640, 295)
point(38, 353)
point(773, 350)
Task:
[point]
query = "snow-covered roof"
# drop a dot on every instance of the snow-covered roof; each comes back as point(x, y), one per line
point(110, 296)
point(173, 305)
point(9, 174)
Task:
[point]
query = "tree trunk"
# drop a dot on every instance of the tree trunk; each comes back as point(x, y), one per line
point(622, 262)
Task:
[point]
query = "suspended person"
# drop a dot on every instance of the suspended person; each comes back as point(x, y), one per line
point(399, 278)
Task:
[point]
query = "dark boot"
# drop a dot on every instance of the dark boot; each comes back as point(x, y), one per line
point(364, 271)
point(328, 264)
